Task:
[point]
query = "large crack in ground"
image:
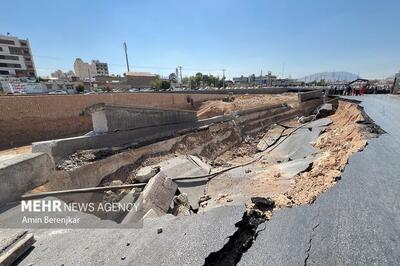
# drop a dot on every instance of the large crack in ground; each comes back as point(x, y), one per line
point(230, 254)
point(361, 124)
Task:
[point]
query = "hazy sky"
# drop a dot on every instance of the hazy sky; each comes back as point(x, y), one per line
point(299, 37)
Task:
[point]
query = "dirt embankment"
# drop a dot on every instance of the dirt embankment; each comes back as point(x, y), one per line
point(347, 135)
point(218, 107)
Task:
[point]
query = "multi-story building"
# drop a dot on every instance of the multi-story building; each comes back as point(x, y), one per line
point(100, 68)
point(85, 70)
point(266, 80)
point(16, 58)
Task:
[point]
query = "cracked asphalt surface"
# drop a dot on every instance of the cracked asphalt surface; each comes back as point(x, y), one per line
point(356, 222)
point(358, 219)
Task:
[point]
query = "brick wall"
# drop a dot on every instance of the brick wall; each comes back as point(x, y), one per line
point(25, 119)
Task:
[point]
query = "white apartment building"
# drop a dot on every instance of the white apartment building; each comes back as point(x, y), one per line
point(85, 70)
point(16, 58)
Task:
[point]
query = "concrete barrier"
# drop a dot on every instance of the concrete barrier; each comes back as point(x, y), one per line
point(111, 118)
point(311, 95)
point(308, 107)
point(21, 173)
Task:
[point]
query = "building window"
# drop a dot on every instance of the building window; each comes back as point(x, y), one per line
point(7, 42)
point(15, 50)
point(10, 65)
point(1, 48)
point(4, 72)
point(9, 57)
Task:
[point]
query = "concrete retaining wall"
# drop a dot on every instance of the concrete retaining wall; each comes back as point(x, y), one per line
point(25, 119)
point(23, 172)
point(112, 118)
point(61, 148)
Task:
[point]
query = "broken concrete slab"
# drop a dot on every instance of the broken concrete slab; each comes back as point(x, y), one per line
point(108, 118)
point(323, 122)
point(187, 166)
point(298, 145)
point(157, 196)
point(325, 110)
point(159, 193)
point(270, 138)
point(21, 173)
point(289, 169)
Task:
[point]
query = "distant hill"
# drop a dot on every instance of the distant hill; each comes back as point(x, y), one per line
point(330, 76)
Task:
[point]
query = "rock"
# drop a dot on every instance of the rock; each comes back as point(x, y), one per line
point(325, 110)
point(182, 199)
point(159, 230)
point(116, 183)
point(263, 203)
point(305, 119)
point(221, 196)
point(181, 205)
point(229, 200)
point(247, 171)
point(145, 173)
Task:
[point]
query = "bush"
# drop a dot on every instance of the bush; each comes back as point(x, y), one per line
point(80, 89)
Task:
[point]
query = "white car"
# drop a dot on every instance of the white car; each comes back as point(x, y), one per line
point(58, 92)
point(19, 93)
point(90, 93)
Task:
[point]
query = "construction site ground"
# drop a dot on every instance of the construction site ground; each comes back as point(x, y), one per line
point(353, 222)
point(219, 107)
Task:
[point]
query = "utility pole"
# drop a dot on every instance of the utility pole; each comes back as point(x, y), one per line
point(223, 78)
point(261, 79)
point(126, 56)
point(180, 74)
point(90, 79)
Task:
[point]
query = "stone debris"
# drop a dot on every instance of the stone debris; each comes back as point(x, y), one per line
point(158, 194)
point(181, 205)
point(144, 174)
point(325, 110)
point(305, 119)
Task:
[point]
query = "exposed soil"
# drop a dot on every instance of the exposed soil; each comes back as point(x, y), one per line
point(17, 150)
point(218, 107)
point(347, 135)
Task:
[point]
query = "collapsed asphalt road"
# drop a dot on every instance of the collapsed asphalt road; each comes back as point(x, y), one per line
point(355, 222)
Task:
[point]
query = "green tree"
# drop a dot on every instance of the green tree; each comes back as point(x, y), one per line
point(80, 89)
point(159, 84)
point(172, 78)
